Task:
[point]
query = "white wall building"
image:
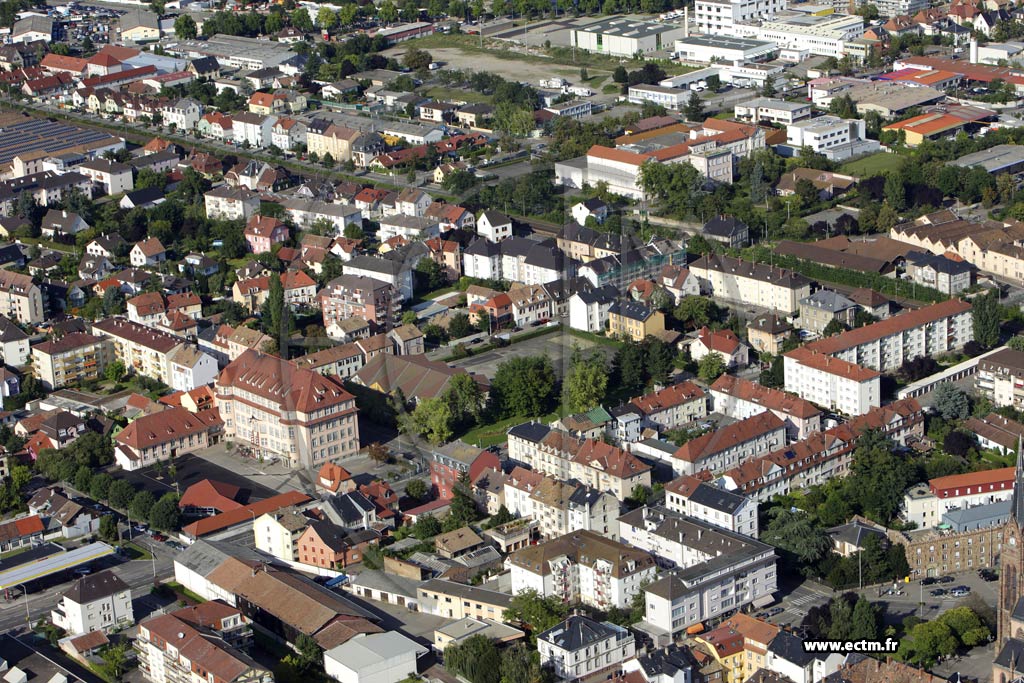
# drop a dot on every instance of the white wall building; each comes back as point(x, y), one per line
point(622, 37)
point(833, 383)
point(824, 132)
point(708, 503)
point(386, 657)
point(98, 602)
point(581, 647)
point(719, 17)
point(772, 110)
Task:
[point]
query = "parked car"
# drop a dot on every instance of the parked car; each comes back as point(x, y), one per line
point(946, 579)
point(962, 592)
point(928, 581)
point(775, 611)
point(159, 537)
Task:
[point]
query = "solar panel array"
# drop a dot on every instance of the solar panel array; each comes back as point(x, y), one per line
point(41, 134)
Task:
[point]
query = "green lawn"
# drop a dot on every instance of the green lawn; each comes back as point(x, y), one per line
point(181, 590)
point(444, 94)
point(494, 434)
point(137, 552)
point(872, 165)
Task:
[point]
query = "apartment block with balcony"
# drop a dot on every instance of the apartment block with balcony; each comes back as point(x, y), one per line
point(1000, 378)
point(582, 567)
point(143, 350)
point(20, 298)
point(179, 648)
point(74, 358)
point(275, 408)
point(349, 296)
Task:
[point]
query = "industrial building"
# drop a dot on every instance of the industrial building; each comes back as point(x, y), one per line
point(621, 37)
point(707, 49)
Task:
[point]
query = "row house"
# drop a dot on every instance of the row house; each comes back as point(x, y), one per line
point(561, 455)
point(530, 305)
point(673, 406)
point(299, 290)
point(834, 383)
point(47, 188)
point(750, 284)
point(741, 398)
point(288, 134)
point(183, 114)
point(706, 502)
point(731, 445)
point(823, 455)
point(557, 507)
point(216, 126)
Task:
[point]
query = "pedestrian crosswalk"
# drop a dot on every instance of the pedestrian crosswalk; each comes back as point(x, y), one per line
point(800, 605)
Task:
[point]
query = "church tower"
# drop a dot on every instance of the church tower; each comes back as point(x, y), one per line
point(1011, 563)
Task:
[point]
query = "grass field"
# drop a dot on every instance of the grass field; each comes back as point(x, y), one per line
point(443, 94)
point(872, 165)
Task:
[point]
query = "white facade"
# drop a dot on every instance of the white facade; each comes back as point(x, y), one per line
point(183, 114)
point(719, 17)
point(483, 266)
point(775, 111)
point(824, 132)
point(99, 602)
point(253, 129)
point(589, 314)
point(494, 226)
point(191, 369)
point(622, 37)
point(605, 647)
point(827, 36)
point(374, 658)
point(739, 514)
point(670, 98)
point(832, 383)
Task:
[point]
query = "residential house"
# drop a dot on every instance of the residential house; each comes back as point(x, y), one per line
point(97, 602)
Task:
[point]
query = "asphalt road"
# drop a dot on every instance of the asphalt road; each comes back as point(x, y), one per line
point(138, 574)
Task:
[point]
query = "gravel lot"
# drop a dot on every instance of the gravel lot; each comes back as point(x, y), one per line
point(557, 346)
point(511, 69)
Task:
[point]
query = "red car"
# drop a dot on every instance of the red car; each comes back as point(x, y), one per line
point(159, 537)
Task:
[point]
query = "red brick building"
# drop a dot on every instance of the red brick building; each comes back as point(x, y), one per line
point(326, 545)
point(450, 461)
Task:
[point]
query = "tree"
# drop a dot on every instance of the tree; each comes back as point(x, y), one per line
point(985, 314)
point(309, 651)
point(99, 487)
point(326, 19)
point(427, 526)
point(864, 623)
point(416, 489)
point(433, 420)
point(926, 642)
point(694, 109)
point(113, 301)
point(833, 328)
point(108, 528)
point(417, 59)
point(353, 232)
point(502, 516)
point(950, 401)
point(1016, 343)
point(464, 398)
point(185, 27)
point(165, 514)
point(462, 510)
point(878, 477)
point(141, 504)
point(585, 384)
point(121, 494)
point(523, 387)
point(459, 327)
point(696, 311)
point(476, 659)
point(115, 371)
point(520, 664)
point(710, 367)
point(795, 532)
point(386, 12)
point(539, 613)
point(895, 192)
point(115, 660)
point(620, 75)
point(768, 89)
point(378, 452)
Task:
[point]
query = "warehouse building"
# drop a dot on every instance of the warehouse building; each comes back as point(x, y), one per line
point(621, 37)
point(705, 49)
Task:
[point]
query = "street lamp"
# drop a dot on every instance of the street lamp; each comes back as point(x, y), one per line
point(28, 616)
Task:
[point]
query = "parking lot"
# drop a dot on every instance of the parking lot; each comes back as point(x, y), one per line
point(557, 346)
point(213, 463)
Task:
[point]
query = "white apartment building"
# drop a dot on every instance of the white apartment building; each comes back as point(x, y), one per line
point(588, 310)
point(576, 109)
point(158, 354)
point(253, 130)
point(772, 110)
point(14, 344)
point(20, 298)
point(494, 226)
point(582, 567)
point(721, 571)
point(831, 382)
point(183, 114)
point(278, 533)
point(719, 17)
point(98, 602)
point(580, 647)
point(708, 503)
point(1001, 377)
point(275, 408)
point(895, 8)
point(114, 176)
point(164, 435)
point(741, 398)
point(722, 48)
point(752, 284)
point(731, 445)
point(885, 345)
point(670, 98)
point(560, 507)
point(231, 203)
point(824, 132)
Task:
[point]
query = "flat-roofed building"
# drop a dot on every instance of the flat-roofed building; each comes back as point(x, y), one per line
point(995, 160)
point(720, 48)
point(623, 37)
point(772, 110)
point(453, 600)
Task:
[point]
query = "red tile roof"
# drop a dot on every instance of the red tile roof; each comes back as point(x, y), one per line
point(771, 399)
point(669, 397)
point(210, 494)
point(833, 366)
point(890, 326)
point(224, 520)
point(728, 437)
